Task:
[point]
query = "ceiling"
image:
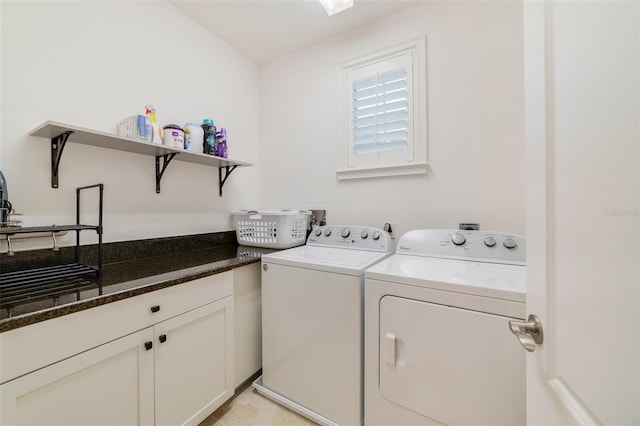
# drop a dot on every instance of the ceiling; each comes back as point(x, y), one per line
point(266, 29)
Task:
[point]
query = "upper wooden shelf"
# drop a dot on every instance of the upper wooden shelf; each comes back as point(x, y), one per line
point(60, 133)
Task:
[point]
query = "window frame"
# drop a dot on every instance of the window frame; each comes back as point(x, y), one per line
point(414, 160)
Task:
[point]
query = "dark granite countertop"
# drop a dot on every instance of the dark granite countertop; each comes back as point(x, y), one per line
point(127, 278)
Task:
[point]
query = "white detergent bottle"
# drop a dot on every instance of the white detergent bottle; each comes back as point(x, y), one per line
point(193, 137)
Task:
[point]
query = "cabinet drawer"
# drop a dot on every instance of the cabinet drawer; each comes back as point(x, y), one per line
point(181, 298)
point(29, 348)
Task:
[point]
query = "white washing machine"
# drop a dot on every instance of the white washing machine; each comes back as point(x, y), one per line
point(438, 348)
point(312, 322)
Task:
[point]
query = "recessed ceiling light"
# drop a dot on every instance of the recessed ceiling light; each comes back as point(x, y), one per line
point(335, 6)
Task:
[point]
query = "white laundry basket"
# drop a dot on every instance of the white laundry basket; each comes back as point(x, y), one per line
point(271, 229)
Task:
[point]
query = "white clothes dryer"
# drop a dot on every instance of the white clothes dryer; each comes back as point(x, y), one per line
point(438, 348)
point(312, 322)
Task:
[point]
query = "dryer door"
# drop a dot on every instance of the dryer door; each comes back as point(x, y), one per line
point(452, 365)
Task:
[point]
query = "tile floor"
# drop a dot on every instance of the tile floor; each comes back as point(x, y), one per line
point(249, 408)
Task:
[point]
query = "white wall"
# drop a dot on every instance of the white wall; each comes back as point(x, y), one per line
point(475, 123)
point(93, 63)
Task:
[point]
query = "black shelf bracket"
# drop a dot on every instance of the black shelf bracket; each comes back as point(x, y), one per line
point(57, 145)
point(166, 159)
point(227, 172)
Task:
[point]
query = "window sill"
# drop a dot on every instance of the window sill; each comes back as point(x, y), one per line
point(382, 171)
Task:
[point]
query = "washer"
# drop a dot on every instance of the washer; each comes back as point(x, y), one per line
point(312, 322)
point(438, 349)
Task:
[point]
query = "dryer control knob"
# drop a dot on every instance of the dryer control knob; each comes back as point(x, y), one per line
point(458, 239)
point(318, 232)
point(364, 235)
point(490, 242)
point(375, 235)
point(510, 243)
point(345, 232)
point(327, 232)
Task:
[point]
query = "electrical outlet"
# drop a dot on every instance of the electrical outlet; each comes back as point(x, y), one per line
point(469, 226)
point(391, 229)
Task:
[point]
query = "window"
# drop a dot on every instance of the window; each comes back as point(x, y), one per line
point(386, 113)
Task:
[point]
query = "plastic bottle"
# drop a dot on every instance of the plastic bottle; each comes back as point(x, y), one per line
point(221, 143)
point(209, 144)
point(157, 136)
point(4, 195)
point(193, 137)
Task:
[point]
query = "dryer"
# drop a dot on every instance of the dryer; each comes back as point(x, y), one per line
point(438, 348)
point(312, 322)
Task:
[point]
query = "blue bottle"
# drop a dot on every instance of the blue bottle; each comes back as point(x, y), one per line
point(209, 142)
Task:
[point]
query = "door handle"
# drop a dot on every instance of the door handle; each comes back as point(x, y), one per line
point(391, 348)
point(529, 332)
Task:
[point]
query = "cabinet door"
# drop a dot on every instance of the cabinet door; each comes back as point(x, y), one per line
point(193, 355)
point(86, 388)
point(247, 308)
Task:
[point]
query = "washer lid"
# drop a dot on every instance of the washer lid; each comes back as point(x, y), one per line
point(329, 259)
point(507, 282)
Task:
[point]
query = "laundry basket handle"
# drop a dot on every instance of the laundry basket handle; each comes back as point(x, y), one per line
point(253, 214)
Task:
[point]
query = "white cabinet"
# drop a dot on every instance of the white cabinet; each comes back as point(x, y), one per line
point(247, 300)
point(109, 385)
point(193, 356)
point(173, 363)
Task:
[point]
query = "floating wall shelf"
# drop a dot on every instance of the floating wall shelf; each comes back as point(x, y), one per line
point(60, 134)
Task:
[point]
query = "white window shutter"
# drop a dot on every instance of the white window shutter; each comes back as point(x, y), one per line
point(385, 95)
point(380, 113)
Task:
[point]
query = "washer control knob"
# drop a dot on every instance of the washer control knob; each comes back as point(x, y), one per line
point(318, 232)
point(458, 239)
point(375, 235)
point(327, 232)
point(490, 242)
point(345, 232)
point(510, 243)
point(364, 235)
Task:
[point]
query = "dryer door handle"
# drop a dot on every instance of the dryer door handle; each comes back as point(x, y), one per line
point(390, 339)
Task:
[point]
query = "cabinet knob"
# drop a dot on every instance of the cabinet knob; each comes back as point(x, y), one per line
point(162, 338)
point(155, 308)
point(148, 345)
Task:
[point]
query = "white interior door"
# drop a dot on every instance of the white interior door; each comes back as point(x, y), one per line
point(583, 213)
